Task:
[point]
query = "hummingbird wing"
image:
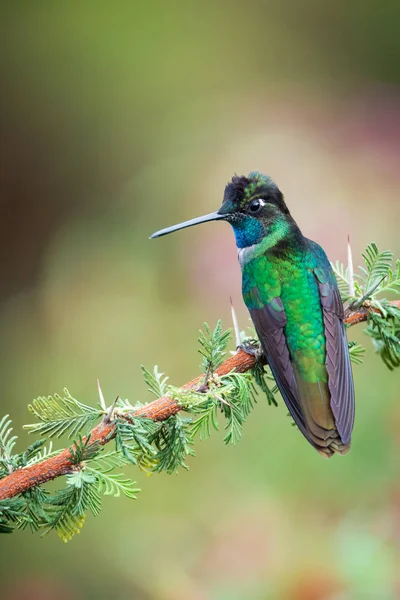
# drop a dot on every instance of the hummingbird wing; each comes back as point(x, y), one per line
point(340, 377)
point(269, 322)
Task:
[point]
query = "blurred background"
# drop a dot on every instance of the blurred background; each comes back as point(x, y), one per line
point(120, 118)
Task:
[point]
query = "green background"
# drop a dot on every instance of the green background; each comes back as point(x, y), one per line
point(117, 119)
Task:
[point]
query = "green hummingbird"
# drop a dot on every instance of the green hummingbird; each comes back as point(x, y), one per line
point(292, 295)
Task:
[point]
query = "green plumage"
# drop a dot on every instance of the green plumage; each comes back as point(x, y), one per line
point(292, 279)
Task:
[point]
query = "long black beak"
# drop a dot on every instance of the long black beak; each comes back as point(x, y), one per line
point(216, 216)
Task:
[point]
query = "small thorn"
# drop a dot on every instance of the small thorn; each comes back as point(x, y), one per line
point(108, 416)
point(350, 268)
point(101, 397)
point(357, 303)
point(238, 341)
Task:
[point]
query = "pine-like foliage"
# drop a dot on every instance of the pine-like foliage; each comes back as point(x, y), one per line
point(384, 329)
point(342, 278)
point(357, 353)
point(375, 278)
point(7, 443)
point(213, 346)
point(59, 415)
point(156, 381)
point(220, 402)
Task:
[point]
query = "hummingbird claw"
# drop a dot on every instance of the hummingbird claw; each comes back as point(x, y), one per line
point(253, 348)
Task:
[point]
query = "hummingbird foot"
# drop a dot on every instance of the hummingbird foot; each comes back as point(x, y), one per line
point(253, 347)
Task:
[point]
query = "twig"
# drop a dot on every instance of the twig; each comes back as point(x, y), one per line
point(161, 409)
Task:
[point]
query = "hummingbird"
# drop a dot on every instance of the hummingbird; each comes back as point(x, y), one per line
point(291, 292)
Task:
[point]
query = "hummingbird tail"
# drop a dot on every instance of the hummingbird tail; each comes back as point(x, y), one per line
point(315, 402)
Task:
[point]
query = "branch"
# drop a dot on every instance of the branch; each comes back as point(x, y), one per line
point(161, 409)
point(353, 317)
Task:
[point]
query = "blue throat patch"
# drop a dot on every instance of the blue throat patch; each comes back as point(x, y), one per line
point(248, 231)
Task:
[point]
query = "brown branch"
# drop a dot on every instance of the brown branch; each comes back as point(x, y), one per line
point(361, 314)
point(26, 478)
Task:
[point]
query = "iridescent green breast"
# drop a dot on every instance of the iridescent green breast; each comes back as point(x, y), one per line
point(267, 277)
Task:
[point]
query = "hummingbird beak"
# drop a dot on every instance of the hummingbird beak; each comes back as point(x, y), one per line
point(215, 216)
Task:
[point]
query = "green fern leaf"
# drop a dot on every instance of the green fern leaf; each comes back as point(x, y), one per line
point(156, 381)
point(42, 454)
point(260, 377)
point(357, 353)
point(12, 511)
point(7, 443)
point(392, 281)
point(384, 330)
point(173, 445)
point(113, 484)
point(206, 421)
point(63, 520)
point(87, 495)
point(342, 277)
point(213, 346)
point(62, 415)
point(377, 265)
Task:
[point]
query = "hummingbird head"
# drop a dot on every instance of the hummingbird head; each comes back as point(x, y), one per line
point(255, 208)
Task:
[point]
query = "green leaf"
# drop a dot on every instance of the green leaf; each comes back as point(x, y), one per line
point(42, 453)
point(357, 353)
point(260, 376)
point(87, 493)
point(377, 265)
point(36, 514)
point(113, 484)
point(392, 281)
point(213, 346)
point(11, 512)
point(384, 330)
point(108, 461)
point(342, 278)
point(68, 507)
point(64, 520)
point(156, 381)
point(206, 421)
point(83, 449)
point(133, 439)
point(237, 401)
point(59, 415)
point(173, 445)
point(7, 443)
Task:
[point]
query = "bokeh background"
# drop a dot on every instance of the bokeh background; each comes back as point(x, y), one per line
point(119, 118)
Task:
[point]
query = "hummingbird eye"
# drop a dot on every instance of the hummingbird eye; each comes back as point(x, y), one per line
point(256, 205)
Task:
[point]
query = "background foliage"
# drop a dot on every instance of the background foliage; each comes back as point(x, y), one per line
point(117, 120)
